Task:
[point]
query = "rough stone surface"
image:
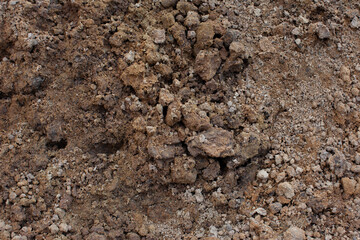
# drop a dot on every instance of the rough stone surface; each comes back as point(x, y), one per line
point(207, 63)
point(215, 142)
point(294, 233)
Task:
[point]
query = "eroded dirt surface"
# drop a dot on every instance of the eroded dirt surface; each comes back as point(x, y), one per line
point(167, 119)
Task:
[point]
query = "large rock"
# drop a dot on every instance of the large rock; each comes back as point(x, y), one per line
point(207, 63)
point(215, 142)
point(183, 170)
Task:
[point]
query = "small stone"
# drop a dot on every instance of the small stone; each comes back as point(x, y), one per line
point(207, 63)
point(262, 175)
point(260, 211)
point(345, 74)
point(64, 227)
point(348, 185)
point(183, 170)
point(96, 236)
point(159, 36)
point(355, 168)
point(294, 233)
point(165, 97)
point(132, 236)
point(296, 31)
point(298, 41)
point(257, 12)
point(285, 189)
point(192, 19)
point(215, 142)
point(212, 171)
point(275, 207)
point(322, 31)
point(355, 22)
point(168, 3)
point(12, 195)
point(191, 35)
point(130, 56)
point(54, 228)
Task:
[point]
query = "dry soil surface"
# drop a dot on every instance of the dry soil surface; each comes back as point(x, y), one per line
point(167, 119)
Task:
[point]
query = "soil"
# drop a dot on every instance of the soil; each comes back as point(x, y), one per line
point(168, 119)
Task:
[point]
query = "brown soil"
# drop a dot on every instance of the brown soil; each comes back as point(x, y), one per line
point(167, 119)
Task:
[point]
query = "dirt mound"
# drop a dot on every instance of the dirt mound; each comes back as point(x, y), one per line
point(167, 119)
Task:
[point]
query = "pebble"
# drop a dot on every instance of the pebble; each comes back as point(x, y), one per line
point(285, 189)
point(159, 36)
point(262, 175)
point(355, 22)
point(348, 185)
point(260, 211)
point(355, 168)
point(168, 3)
point(64, 227)
point(296, 31)
point(257, 12)
point(275, 207)
point(322, 31)
point(130, 56)
point(298, 41)
point(294, 233)
point(54, 228)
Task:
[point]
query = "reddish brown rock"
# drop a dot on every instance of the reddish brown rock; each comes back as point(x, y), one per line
point(215, 142)
point(183, 170)
point(207, 63)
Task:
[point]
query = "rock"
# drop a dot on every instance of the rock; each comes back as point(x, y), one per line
point(215, 142)
point(173, 114)
point(54, 228)
point(204, 36)
point(134, 76)
point(322, 31)
point(207, 63)
point(159, 36)
point(251, 144)
point(355, 22)
point(294, 233)
point(179, 33)
point(168, 20)
point(194, 119)
point(275, 207)
point(219, 199)
point(262, 175)
point(183, 170)
point(64, 227)
point(296, 31)
point(345, 74)
point(212, 171)
point(165, 70)
point(65, 201)
point(348, 185)
point(260, 211)
point(168, 3)
point(118, 38)
point(192, 19)
point(285, 189)
point(355, 168)
point(162, 147)
point(234, 63)
point(338, 164)
point(132, 236)
point(165, 97)
point(96, 236)
point(185, 7)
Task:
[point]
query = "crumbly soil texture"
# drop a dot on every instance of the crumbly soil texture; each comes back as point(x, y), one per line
point(179, 119)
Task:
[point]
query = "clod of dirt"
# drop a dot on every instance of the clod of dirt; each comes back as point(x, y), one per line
point(215, 142)
point(207, 63)
point(183, 170)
